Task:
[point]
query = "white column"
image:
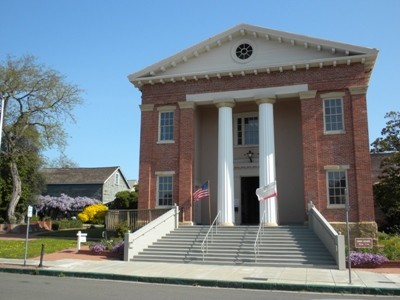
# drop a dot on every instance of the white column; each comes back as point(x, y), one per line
point(267, 158)
point(225, 163)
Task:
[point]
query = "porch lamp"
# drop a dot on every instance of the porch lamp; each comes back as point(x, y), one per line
point(250, 155)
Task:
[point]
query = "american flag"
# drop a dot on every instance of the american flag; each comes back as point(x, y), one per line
point(201, 192)
point(266, 192)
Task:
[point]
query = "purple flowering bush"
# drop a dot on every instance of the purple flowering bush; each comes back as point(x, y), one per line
point(118, 248)
point(97, 248)
point(113, 246)
point(366, 259)
point(63, 206)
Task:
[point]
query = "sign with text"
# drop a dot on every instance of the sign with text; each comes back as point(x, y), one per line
point(363, 242)
point(30, 211)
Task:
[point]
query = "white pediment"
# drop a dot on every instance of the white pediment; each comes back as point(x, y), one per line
point(268, 51)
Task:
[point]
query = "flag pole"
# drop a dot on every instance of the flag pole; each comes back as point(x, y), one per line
point(209, 201)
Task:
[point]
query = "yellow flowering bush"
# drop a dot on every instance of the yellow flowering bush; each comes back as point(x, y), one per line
point(94, 214)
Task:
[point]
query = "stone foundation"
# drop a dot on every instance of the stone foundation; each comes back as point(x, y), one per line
point(358, 230)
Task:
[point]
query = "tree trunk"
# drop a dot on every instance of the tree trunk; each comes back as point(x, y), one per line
point(16, 194)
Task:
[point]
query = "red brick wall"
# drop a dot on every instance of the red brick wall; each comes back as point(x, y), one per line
point(186, 161)
point(319, 150)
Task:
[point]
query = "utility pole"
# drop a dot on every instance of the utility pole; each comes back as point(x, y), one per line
point(348, 233)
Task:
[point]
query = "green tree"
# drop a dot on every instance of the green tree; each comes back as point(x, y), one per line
point(387, 191)
point(124, 200)
point(32, 182)
point(37, 100)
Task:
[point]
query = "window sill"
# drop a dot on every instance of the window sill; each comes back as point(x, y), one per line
point(335, 132)
point(336, 206)
point(165, 142)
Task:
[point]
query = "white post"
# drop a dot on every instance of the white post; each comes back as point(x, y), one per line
point(176, 216)
point(81, 239)
point(267, 158)
point(225, 163)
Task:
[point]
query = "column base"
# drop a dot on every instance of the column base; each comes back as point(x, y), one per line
point(186, 223)
point(271, 224)
point(226, 224)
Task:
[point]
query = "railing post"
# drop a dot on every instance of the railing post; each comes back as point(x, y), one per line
point(176, 216)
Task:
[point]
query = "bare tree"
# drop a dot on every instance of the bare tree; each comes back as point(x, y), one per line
point(62, 161)
point(35, 97)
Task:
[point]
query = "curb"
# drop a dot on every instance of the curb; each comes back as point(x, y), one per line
point(210, 283)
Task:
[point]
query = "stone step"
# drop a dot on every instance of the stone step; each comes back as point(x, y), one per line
point(284, 246)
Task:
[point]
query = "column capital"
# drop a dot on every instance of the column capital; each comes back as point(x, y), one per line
point(224, 103)
point(186, 104)
point(270, 100)
point(358, 90)
point(146, 107)
point(308, 95)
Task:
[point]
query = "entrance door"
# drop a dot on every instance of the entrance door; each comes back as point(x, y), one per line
point(250, 206)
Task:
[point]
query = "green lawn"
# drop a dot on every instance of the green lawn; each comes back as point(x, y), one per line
point(16, 248)
point(53, 241)
point(92, 233)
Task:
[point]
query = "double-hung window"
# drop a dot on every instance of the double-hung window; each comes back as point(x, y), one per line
point(336, 181)
point(246, 129)
point(116, 179)
point(166, 126)
point(164, 189)
point(333, 115)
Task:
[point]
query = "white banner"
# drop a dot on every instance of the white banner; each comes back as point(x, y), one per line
point(266, 192)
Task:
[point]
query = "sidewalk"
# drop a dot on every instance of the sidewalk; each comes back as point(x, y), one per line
point(74, 264)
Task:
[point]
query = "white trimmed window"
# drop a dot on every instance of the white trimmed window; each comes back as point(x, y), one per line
point(333, 115)
point(164, 190)
point(336, 182)
point(166, 126)
point(246, 129)
point(116, 179)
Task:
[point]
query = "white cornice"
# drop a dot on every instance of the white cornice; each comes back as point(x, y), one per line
point(344, 54)
point(249, 94)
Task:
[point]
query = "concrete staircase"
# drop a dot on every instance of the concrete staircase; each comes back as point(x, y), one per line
point(290, 246)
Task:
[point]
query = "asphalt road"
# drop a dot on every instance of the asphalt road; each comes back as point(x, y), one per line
point(34, 287)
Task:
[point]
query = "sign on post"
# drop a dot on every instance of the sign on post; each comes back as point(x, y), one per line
point(29, 215)
point(81, 239)
point(30, 211)
point(363, 243)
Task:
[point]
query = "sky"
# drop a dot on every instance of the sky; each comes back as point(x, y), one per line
point(96, 44)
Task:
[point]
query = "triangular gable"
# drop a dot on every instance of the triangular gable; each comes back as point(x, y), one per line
point(122, 176)
point(271, 51)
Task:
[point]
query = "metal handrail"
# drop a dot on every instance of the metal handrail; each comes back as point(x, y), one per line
point(204, 244)
point(260, 232)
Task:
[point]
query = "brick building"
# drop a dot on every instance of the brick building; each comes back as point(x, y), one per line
point(253, 106)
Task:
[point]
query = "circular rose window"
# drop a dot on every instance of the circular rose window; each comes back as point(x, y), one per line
point(244, 51)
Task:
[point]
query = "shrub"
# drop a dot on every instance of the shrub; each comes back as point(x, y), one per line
point(94, 214)
point(63, 206)
point(366, 259)
point(390, 245)
point(34, 219)
point(124, 200)
point(97, 248)
point(120, 229)
point(66, 224)
point(114, 246)
point(118, 248)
